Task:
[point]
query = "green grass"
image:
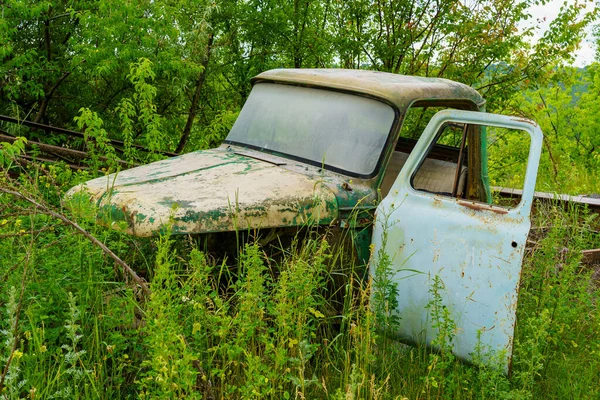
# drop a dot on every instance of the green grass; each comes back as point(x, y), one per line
point(298, 326)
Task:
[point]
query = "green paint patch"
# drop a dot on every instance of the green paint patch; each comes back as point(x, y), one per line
point(200, 216)
point(110, 213)
point(139, 218)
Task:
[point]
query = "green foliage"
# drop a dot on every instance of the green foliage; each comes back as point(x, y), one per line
point(10, 357)
point(558, 314)
point(75, 367)
point(385, 291)
point(438, 379)
point(141, 107)
point(8, 152)
point(257, 341)
point(170, 363)
point(98, 145)
point(73, 326)
point(157, 72)
point(568, 118)
point(216, 131)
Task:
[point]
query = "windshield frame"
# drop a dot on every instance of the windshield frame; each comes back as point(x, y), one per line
point(389, 140)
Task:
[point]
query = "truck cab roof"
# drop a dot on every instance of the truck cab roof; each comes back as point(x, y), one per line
point(400, 91)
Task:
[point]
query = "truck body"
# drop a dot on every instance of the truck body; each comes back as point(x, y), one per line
point(349, 149)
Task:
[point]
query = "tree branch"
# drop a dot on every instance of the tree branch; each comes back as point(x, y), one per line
point(44, 105)
point(46, 210)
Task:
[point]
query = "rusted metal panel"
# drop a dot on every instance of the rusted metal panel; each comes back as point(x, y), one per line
point(474, 249)
point(209, 191)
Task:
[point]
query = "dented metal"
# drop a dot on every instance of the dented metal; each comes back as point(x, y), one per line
point(474, 250)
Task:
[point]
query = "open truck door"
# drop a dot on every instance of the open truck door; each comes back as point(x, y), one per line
point(473, 250)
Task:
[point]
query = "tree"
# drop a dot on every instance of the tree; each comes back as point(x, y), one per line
point(59, 56)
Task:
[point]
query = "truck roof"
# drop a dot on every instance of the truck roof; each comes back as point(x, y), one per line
point(399, 90)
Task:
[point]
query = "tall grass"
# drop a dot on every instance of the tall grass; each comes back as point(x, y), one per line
point(73, 326)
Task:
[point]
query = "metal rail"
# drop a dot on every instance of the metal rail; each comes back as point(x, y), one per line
point(49, 128)
point(592, 202)
point(61, 152)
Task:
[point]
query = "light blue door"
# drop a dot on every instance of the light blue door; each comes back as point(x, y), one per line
point(473, 250)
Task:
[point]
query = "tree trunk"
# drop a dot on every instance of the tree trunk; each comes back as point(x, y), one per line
point(194, 106)
point(44, 103)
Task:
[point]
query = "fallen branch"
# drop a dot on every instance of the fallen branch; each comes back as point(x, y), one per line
point(46, 210)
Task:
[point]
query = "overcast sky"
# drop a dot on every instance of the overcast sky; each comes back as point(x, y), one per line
point(585, 55)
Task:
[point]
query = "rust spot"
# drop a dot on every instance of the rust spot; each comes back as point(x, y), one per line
point(346, 187)
point(481, 207)
point(524, 120)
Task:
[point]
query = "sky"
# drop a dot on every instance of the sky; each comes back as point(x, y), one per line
point(546, 13)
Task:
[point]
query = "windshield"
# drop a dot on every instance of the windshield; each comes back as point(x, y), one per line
point(324, 127)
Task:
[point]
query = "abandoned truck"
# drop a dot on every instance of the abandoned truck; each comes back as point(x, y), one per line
point(347, 149)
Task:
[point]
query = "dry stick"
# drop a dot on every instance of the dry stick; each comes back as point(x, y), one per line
point(86, 234)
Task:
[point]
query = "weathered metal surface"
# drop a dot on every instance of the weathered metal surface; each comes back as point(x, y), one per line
point(400, 90)
point(209, 191)
point(474, 249)
point(141, 199)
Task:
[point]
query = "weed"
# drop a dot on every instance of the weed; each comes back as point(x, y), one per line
point(258, 326)
point(11, 383)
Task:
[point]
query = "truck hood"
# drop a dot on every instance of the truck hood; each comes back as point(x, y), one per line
point(208, 191)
